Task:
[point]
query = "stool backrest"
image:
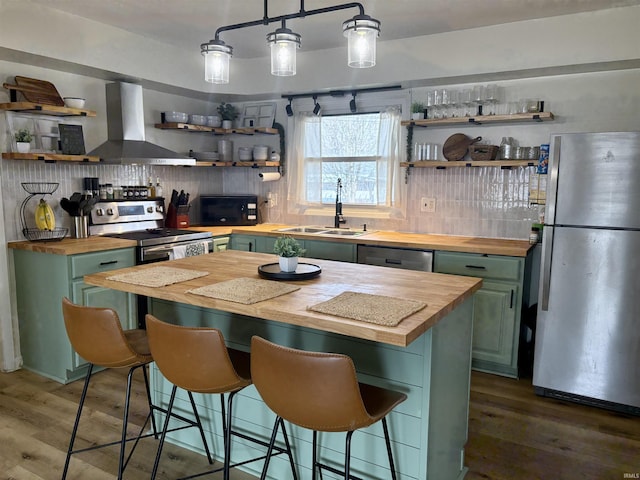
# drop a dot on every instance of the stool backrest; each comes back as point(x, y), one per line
point(193, 358)
point(315, 390)
point(97, 336)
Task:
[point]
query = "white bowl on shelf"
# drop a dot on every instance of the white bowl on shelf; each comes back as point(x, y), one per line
point(176, 117)
point(214, 121)
point(197, 120)
point(74, 102)
point(260, 152)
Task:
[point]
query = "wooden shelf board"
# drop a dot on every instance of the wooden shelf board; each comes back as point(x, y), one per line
point(29, 107)
point(50, 157)
point(481, 120)
point(217, 131)
point(254, 164)
point(470, 163)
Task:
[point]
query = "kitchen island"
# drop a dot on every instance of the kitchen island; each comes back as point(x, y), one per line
point(427, 356)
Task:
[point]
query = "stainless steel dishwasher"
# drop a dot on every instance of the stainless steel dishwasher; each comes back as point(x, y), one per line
point(406, 258)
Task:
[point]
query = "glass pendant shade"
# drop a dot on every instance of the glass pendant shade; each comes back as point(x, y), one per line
point(362, 33)
point(216, 61)
point(283, 44)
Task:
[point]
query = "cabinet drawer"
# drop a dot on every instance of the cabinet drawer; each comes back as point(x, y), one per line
point(85, 264)
point(502, 268)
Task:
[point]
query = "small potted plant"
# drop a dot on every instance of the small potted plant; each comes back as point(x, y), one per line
point(228, 113)
point(288, 250)
point(417, 110)
point(23, 140)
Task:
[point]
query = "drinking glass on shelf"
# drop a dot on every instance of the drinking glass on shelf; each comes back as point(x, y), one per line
point(454, 103)
point(437, 103)
point(478, 97)
point(466, 98)
point(492, 98)
point(431, 103)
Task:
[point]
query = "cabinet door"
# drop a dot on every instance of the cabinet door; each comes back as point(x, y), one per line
point(91, 296)
point(265, 244)
point(245, 243)
point(325, 250)
point(494, 319)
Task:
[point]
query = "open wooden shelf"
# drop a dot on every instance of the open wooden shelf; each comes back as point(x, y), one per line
point(252, 164)
point(481, 120)
point(217, 131)
point(470, 163)
point(42, 109)
point(50, 157)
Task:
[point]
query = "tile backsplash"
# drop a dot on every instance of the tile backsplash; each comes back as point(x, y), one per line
point(486, 202)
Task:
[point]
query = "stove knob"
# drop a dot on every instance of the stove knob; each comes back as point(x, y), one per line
point(109, 211)
point(149, 209)
point(99, 212)
point(159, 208)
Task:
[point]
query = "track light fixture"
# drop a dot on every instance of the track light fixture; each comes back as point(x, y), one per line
point(316, 105)
point(361, 31)
point(289, 108)
point(352, 103)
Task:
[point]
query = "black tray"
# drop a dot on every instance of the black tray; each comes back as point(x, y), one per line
point(303, 271)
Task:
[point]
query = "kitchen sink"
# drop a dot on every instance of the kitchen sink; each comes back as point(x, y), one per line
point(328, 231)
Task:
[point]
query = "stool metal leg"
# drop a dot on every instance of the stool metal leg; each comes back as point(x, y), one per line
point(154, 472)
point(199, 425)
point(347, 455)
point(315, 466)
point(389, 451)
point(274, 432)
point(151, 406)
point(77, 422)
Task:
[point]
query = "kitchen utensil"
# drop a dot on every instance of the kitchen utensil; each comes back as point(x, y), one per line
point(37, 91)
point(181, 198)
point(174, 198)
point(70, 207)
point(76, 197)
point(456, 146)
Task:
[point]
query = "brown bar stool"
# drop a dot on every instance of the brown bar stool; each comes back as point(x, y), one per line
point(97, 336)
point(319, 391)
point(197, 360)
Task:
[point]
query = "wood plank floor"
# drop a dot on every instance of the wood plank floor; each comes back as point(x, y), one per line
point(513, 434)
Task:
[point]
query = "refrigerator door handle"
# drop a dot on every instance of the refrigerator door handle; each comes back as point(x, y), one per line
point(545, 274)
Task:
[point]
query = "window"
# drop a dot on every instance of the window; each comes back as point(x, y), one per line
point(360, 149)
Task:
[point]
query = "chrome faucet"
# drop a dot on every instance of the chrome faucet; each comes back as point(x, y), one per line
point(338, 219)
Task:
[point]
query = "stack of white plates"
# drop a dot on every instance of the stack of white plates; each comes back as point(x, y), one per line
point(214, 121)
point(260, 152)
point(244, 154)
point(197, 120)
point(175, 117)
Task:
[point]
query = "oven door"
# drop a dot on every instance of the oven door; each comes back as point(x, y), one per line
point(162, 253)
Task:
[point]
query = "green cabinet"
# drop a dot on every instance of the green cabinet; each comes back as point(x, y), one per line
point(323, 249)
point(42, 279)
point(497, 306)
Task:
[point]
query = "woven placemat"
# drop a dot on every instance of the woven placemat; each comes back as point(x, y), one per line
point(158, 276)
point(378, 309)
point(245, 290)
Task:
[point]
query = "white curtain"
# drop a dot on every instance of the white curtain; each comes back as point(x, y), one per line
point(305, 163)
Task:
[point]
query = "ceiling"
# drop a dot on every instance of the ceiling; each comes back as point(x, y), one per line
point(188, 23)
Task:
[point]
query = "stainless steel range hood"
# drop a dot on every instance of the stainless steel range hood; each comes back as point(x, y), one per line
point(126, 143)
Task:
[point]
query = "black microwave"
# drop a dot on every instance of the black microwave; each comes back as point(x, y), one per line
point(228, 210)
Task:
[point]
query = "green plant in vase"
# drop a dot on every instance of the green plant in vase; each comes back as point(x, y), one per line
point(23, 140)
point(288, 250)
point(417, 110)
point(228, 113)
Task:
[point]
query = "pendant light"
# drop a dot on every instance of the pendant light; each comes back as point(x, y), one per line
point(362, 33)
point(283, 43)
point(216, 61)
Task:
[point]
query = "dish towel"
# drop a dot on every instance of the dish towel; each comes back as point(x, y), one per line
point(191, 250)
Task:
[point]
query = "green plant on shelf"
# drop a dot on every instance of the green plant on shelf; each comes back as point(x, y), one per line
point(23, 136)
point(227, 111)
point(417, 107)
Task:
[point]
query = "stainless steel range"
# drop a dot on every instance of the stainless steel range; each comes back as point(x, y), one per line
point(143, 221)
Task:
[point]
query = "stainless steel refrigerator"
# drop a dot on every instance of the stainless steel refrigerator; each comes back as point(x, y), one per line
point(587, 344)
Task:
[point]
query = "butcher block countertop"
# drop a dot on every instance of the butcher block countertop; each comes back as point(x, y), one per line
point(73, 246)
point(451, 243)
point(442, 293)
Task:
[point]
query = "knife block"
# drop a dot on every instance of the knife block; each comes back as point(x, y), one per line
point(177, 217)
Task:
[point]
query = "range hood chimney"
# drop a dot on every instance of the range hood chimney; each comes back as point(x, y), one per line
point(126, 143)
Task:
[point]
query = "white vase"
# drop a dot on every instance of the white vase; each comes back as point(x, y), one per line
point(417, 116)
point(288, 264)
point(227, 124)
point(23, 147)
